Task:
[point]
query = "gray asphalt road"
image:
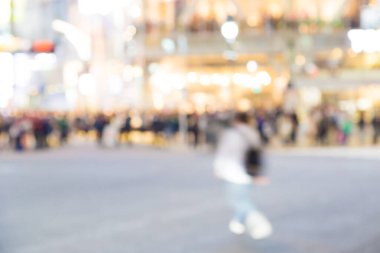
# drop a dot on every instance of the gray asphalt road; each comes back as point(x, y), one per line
point(141, 201)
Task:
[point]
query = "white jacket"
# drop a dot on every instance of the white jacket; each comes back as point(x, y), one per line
point(230, 155)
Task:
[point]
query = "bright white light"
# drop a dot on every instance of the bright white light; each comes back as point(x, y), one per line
point(168, 45)
point(71, 97)
point(241, 79)
point(136, 11)
point(205, 80)
point(264, 78)
point(115, 85)
point(177, 81)
point(7, 78)
point(128, 74)
point(157, 79)
point(218, 79)
point(364, 104)
point(102, 7)
point(192, 77)
point(153, 68)
point(230, 31)
point(225, 81)
point(44, 62)
point(252, 66)
point(20, 100)
point(138, 71)
point(367, 41)
point(158, 102)
point(87, 85)
point(23, 69)
point(254, 82)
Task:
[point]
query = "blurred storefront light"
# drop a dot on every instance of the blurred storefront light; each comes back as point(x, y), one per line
point(44, 62)
point(177, 81)
point(337, 53)
point(71, 98)
point(230, 55)
point(153, 67)
point(224, 81)
point(300, 60)
point(244, 105)
point(23, 69)
point(192, 77)
point(205, 80)
point(367, 41)
point(87, 84)
point(252, 66)
point(264, 78)
point(138, 71)
point(9, 43)
point(217, 79)
point(238, 78)
point(136, 11)
point(230, 30)
point(364, 104)
point(7, 78)
point(115, 85)
point(130, 32)
point(158, 102)
point(168, 45)
point(347, 106)
point(128, 73)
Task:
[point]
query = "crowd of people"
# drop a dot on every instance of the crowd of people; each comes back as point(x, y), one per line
point(322, 126)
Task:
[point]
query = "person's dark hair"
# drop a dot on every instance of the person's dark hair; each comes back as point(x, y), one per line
point(241, 117)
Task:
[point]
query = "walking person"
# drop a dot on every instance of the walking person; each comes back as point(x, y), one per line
point(376, 127)
point(362, 127)
point(99, 125)
point(230, 166)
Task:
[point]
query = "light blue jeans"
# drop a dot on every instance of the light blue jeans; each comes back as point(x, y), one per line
point(240, 198)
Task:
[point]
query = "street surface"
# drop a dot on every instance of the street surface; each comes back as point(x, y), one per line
point(143, 200)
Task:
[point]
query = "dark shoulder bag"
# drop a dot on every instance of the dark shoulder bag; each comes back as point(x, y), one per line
point(252, 160)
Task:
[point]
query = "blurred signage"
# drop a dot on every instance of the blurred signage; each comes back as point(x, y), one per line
point(43, 46)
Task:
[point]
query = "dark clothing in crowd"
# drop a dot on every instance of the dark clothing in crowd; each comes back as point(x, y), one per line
point(323, 130)
point(376, 129)
point(99, 125)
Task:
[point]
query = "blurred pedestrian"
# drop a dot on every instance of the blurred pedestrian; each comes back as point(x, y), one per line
point(261, 122)
point(323, 129)
point(157, 128)
point(362, 126)
point(230, 166)
point(64, 129)
point(347, 128)
point(193, 129)
point(99, 125)
point(294, 130)
point(126, 129)
point(376, 127)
